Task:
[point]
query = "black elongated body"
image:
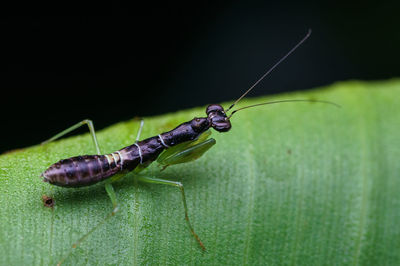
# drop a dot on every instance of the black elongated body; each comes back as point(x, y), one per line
point(89, 169)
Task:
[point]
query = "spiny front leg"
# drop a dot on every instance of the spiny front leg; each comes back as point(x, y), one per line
point(180, 186)
point(187, 151)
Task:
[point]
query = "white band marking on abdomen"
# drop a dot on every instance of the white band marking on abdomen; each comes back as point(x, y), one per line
point(162, 142)
point(121, 158)
point(140, 153)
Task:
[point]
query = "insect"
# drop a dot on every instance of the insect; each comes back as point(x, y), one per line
point(187, 142)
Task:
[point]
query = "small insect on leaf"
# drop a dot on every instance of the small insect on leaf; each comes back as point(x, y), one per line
point(185, 143)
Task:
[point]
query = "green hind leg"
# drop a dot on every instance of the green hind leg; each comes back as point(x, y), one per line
point(108, 186)
point(90, 125)
point(180, 186)
point(113, 197)
point(87, 122)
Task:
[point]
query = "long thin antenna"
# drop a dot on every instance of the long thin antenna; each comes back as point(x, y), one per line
point(272, 68)
point(282, 101)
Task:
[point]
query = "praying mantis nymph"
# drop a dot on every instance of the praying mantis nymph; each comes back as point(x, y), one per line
point(187, 142)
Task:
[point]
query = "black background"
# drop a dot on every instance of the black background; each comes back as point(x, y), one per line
point(113, 62)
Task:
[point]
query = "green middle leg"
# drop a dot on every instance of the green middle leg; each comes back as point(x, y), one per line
point(140, 130)
point(180, 186)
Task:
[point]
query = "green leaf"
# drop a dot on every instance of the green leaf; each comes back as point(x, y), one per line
point(298, 184)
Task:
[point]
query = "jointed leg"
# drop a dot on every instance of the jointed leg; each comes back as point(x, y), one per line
point(180, 186)
point(91, 129)
point(109, 188)
point(113, 197)
point(140, 130)
point(183, 154)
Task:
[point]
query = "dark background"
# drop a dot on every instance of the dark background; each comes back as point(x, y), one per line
point(114, 62)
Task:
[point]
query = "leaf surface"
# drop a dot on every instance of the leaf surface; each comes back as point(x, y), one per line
point(296, 184)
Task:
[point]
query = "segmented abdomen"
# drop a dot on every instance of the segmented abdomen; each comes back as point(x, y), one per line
point(82, 171)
